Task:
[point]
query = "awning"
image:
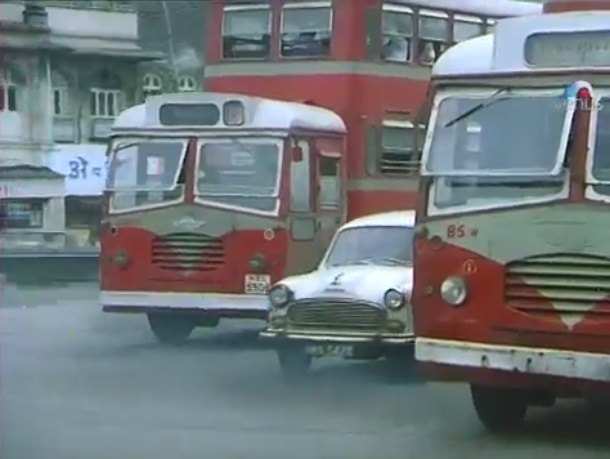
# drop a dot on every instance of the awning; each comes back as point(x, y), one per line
point(26, 181)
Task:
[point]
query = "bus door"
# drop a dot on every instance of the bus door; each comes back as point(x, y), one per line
point(330, 202)
point(309, 230)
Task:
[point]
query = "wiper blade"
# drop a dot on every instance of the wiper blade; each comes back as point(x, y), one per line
point(486, 103)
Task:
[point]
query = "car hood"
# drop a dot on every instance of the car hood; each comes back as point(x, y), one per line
point(365, 282)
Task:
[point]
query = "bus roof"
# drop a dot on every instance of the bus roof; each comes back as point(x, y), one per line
point(504, 51)
point(493, 8)
point(404, 218)
point(260, 113)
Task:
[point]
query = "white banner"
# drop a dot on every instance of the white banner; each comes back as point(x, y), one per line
point(84, 166)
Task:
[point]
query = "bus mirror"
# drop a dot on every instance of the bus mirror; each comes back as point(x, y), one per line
point(297, 154)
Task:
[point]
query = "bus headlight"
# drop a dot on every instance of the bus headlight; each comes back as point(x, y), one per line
point(258, 263)
point(454, 291)
point(279, 296)
point(393, 299)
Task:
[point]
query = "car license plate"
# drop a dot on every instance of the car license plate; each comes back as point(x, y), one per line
point(257, 283)
point(327, 350)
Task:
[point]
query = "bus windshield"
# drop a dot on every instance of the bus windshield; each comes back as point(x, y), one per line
point(145, 165)
point(511, 135)
point(239, 172)
point(145, 172)
point(496, 151)
point(372, 245)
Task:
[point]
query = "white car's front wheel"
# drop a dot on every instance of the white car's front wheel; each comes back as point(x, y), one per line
point(294, 362)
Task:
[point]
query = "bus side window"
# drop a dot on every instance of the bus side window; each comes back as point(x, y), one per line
point(330, 183)
point(300, 181)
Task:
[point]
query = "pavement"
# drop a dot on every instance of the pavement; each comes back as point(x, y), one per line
point(76, 383)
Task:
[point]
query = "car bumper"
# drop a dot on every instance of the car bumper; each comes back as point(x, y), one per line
point(222, 305)
point(315, 338)
point(515, 359)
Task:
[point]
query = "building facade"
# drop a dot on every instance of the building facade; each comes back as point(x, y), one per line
point(67, 69)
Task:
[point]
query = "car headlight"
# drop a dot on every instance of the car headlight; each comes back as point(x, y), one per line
point(393, 299)
point(280, 295)
point(454, 291)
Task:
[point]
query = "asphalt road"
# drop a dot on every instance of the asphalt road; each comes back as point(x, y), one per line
point(80, 384)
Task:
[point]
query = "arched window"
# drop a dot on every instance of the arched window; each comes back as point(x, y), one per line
point(107, 98)
point(151, 85)
point(186, 84)
point(61, 94)
point(8, 92)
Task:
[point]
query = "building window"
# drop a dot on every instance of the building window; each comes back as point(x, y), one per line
point(151, 85)
point(246, 32)
point(433, 28)
point(21, 214)
point(8, 93)
point(84, 212)
point(61, 102)
point(398, 153)
point(186, 84)
point(306, 30)
point(397, 30)
point(106, 103)
point(465, 27)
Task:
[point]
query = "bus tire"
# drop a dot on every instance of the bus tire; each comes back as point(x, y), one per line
point(598, 405)
point(169, 328)
point(499, 409)
point(294, 362)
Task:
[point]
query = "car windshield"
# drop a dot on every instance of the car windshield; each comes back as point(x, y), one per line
point(372, 245)
point(242, 173)
point(145, 172)
point(497, 151)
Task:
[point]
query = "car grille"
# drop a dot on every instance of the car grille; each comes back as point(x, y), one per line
point(187, 252)
point(333, 313)
point(572, 283)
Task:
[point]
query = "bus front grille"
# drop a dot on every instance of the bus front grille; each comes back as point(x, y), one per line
point(335, 314)
point(187, 252)
point(559, 283)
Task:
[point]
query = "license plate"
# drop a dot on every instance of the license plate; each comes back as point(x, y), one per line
point(327, 350)
point(257, 283)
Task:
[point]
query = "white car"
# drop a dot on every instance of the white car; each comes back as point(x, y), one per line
point(356, 304)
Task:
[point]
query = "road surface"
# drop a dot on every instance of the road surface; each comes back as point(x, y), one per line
point(80, 384)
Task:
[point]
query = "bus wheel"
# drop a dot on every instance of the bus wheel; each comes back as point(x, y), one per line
point(169, 328)
point(499, 409)
point(294, 362)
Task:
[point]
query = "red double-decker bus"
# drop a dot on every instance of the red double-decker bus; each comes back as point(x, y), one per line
point(512, 263)
point(367, 60)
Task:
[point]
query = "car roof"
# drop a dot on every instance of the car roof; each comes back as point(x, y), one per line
point(404, 218)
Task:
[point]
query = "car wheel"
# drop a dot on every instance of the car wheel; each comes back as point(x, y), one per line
point(169, 328)
point(499, 409)
point(294, 362)
point(401, 362)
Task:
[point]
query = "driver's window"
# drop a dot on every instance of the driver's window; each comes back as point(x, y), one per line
point(300, 181)
point(330, 183)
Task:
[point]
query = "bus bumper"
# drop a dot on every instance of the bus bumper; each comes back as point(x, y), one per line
point(515, 359)
point(217, 304)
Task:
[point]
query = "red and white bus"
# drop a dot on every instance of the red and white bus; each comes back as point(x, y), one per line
point(512, 261)
point(367, 60)
point(210, 199)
